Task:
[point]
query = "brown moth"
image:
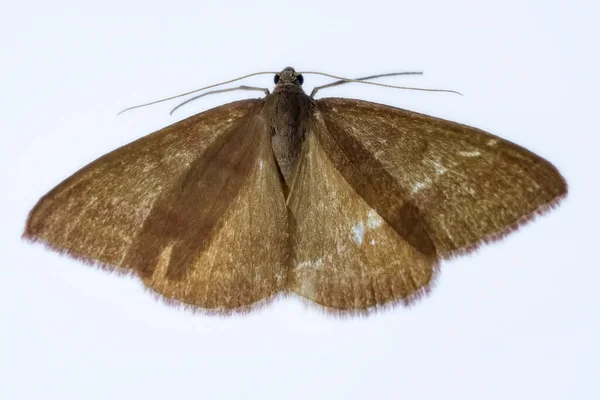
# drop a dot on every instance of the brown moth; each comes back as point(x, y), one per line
point(348, 203)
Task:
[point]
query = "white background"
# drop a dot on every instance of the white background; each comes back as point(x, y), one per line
point(518, 320)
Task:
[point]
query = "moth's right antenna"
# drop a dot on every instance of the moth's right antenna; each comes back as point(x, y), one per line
point(343, 80)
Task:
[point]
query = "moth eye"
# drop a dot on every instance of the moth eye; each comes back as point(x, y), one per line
point(300, 79)
point(276, 78)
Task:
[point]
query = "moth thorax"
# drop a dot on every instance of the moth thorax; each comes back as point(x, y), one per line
point(289, 113)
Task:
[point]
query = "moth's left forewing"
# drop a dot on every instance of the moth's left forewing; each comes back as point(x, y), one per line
point(345, 256)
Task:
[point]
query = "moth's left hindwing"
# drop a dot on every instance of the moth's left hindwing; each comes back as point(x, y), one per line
point(196, 209)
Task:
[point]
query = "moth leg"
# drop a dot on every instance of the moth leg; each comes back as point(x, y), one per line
point(242, 87)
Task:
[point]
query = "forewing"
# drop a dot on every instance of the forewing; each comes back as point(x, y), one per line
point(463, 186)
point(345, 256)
point(180, 207)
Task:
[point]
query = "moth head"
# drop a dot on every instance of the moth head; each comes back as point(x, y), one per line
point(288, 77)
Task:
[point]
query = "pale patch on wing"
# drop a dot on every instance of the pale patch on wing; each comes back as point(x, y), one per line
point(418, 186)
point(318, 263)
point(438, 168)
point(345, 255)
point(373, 220)
point(358, 232)
point(473, 153)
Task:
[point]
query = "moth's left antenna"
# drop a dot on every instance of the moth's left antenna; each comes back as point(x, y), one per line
point(194, 91)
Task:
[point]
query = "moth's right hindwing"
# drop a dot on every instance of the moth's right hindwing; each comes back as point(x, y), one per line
point(345, 256)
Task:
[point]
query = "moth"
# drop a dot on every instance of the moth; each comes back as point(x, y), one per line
point(348, 203)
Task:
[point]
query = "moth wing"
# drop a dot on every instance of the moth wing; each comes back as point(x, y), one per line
point(444, 186)
point(345, 256)
point(196, 209)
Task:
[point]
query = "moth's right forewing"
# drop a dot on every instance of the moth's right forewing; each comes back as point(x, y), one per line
point(465, 185)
